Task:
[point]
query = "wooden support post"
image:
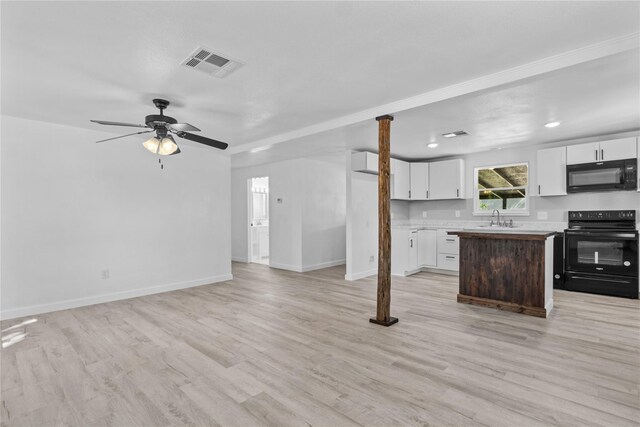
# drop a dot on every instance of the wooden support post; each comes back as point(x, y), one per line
point(383, 310)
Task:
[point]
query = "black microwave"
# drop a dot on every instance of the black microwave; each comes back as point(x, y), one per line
point(603, 176)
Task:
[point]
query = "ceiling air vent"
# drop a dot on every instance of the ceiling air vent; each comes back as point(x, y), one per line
point(454, 134)
point(215, 64)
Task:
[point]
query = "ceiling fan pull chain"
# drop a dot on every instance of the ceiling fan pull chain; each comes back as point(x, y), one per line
point(160, 161)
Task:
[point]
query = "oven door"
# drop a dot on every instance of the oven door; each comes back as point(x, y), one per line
point(600, 176)
point(602, 252)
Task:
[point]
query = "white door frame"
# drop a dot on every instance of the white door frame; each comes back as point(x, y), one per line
point(250, 217)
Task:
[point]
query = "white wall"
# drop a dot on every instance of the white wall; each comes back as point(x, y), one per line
point(324, 212)
point(285, 219)
point(362, 223)
point(307, 228)
point(72, 208)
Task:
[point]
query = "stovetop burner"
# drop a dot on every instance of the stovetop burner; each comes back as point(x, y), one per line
point(614, 220)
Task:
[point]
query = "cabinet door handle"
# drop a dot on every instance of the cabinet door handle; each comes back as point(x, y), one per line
point(596, 155)
point(538, 188)
point(427, 194)
point(602, 154)
point(409, 193)
point(450, 240)
point(411, 243)
point(450, 257)
point(458, 192)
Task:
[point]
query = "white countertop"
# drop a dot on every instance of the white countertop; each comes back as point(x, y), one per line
point(522, 226)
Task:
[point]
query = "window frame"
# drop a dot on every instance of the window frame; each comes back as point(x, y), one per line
point(505, 212)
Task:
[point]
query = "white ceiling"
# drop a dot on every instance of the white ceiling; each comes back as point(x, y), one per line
point(309, 63)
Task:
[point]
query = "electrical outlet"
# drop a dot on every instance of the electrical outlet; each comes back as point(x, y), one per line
point(105, 274)
point(543, 215)
point(279, 200)
point(457, 214)
point(372, 259)
point(424, 214)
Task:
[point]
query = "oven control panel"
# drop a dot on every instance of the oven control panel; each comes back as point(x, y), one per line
point(626, 215)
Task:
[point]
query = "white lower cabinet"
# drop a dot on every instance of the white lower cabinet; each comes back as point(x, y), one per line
point(427, 248)
point(414, 249)
point(404, 251)
point(448, 251)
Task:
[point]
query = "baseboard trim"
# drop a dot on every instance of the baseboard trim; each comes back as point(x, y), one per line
point(548, 306)
point(288, 267)
point(99, 299)
point(324, 265)
point(239, 259)
point(361, 275)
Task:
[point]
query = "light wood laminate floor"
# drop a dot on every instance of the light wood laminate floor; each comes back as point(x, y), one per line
point(279, 348)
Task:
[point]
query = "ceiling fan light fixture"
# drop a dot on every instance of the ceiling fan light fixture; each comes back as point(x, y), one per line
point(167, 146)
point(152, 144)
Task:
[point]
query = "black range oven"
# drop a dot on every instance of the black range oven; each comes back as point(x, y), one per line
point(601, 253)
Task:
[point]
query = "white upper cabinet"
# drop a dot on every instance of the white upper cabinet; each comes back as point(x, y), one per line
point(617, 149)
point(551, 171)
point(364, 162)
point(446, 179)
point(400, 180)
point(419, 181)
point(583, 153)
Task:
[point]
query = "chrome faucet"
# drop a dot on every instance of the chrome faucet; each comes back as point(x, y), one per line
point(492, 214)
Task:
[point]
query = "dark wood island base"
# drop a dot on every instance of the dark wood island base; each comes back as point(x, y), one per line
point(509, 271)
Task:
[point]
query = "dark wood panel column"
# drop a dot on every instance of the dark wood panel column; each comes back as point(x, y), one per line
point(383, 311)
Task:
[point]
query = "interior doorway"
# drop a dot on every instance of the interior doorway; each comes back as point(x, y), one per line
point(258, 203)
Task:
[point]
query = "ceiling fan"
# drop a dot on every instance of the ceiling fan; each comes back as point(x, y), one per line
point(163, 143)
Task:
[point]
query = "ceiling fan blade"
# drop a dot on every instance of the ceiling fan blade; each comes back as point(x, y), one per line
point(122, 136)
point(176, 152)
point(183, 127)
point(202, 140)
point(102, 122)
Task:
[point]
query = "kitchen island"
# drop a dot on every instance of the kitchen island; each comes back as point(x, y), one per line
point(507, 269)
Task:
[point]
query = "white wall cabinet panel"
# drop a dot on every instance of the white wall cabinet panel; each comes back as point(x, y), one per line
point(400, 180)
point(364, 162)
point(583, 153)
point(419, 181)
point(551, 170)
point(427, 248)
point(446, 179)
point(404, 251)
point(618, 149)
point(638, 152)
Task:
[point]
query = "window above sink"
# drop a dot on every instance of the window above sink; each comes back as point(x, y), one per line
point(501, 187)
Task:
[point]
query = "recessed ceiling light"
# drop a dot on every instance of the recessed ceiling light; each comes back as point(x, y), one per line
point(552, 124)
point(454, 134)
point(432, 145)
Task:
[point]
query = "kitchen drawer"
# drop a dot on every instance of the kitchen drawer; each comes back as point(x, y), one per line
point(448, 244)
point(448, 262)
